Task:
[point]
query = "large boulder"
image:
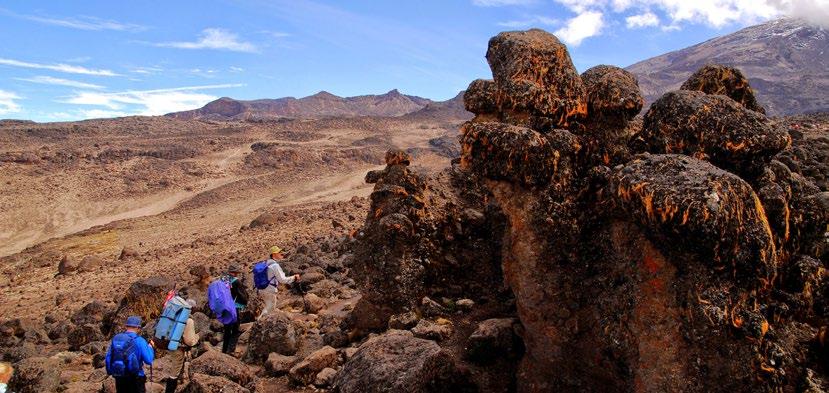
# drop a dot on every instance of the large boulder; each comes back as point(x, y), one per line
point(144, 298)
point(274, 332)
point(265, 219)
point(537, 84)
point(68, 264)
point(35, 375)
point(90, 263)
point(201, 383)
point(82, 335)
point(711, 127)
point(94, 312)
point(398, 362)
point(221, 365)
point(723, 80)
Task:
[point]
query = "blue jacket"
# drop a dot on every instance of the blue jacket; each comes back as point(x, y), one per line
point(145, 354)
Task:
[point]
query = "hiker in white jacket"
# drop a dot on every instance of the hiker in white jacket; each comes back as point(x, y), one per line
point(276, 276)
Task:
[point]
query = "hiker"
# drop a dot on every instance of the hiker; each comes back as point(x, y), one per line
point(275, 276)
point(180, 356)
point(240, 300)
point(127, 356)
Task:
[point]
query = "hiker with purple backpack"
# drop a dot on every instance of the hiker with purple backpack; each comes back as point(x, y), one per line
point(227, 297)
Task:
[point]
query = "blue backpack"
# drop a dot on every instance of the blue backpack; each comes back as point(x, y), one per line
point(170, 325)
point(260, 275)
point(221, 302)
point(123, 356)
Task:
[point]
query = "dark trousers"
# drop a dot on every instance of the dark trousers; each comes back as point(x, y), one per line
point(130, 384)
point(231, 336)
point(170, 386)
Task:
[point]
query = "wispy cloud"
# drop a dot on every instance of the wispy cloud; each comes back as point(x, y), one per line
point(147, 102)
point(48, 80)
point(585, 25)
point(60, 67)
point(82, 22)
point(535, 20)
point(147, 70)
point(501, 3)
point(8, 102)
point(213, 38)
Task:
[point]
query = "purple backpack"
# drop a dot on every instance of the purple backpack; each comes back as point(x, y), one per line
point(221, 302)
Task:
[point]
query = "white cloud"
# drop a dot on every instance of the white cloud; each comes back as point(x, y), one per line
point(648, 19)
point(585, 25)
point(214, 38)
point(535, 20)
point(147, 102)
point(501, 3)
point(814, 11)
point(67, 68)
point(8, 102)
point(715, 13)
point(48, 80)
point(236, 69)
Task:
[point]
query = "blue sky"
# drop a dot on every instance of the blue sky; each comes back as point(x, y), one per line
point(64, 60)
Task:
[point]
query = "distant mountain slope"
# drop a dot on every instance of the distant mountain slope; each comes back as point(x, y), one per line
point(786, 61)
point(449, 110)
point(320, 105)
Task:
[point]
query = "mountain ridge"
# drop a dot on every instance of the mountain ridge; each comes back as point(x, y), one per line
point(784, 59)
point(319, 105)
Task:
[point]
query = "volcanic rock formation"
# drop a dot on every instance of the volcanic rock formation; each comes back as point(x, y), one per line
point(666, 271)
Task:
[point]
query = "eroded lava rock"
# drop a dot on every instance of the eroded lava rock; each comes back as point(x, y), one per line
point(724, 80)
point(650, 272)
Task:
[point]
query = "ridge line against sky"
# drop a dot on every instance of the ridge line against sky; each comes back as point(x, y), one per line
point(71, 61)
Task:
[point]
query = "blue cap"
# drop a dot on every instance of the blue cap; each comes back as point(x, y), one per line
point(133, 321)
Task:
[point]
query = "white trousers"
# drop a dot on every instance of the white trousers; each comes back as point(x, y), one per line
point(270, 301)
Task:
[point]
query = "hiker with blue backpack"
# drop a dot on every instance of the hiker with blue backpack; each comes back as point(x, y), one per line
point(126, 357)
point(227, 297)
point(175, 331)
point(267, 275)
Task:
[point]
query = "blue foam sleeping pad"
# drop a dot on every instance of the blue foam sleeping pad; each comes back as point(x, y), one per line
point(170, 326)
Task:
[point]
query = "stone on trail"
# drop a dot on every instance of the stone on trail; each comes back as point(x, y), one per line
point(398, 362)
point(274, 332)
point(35, 375)
point(221, 365)
point(278, 365)
point(494, 339)
point(201, 383)
point(305, 372)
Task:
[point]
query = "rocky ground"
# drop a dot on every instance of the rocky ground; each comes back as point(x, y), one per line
point(574, 244)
